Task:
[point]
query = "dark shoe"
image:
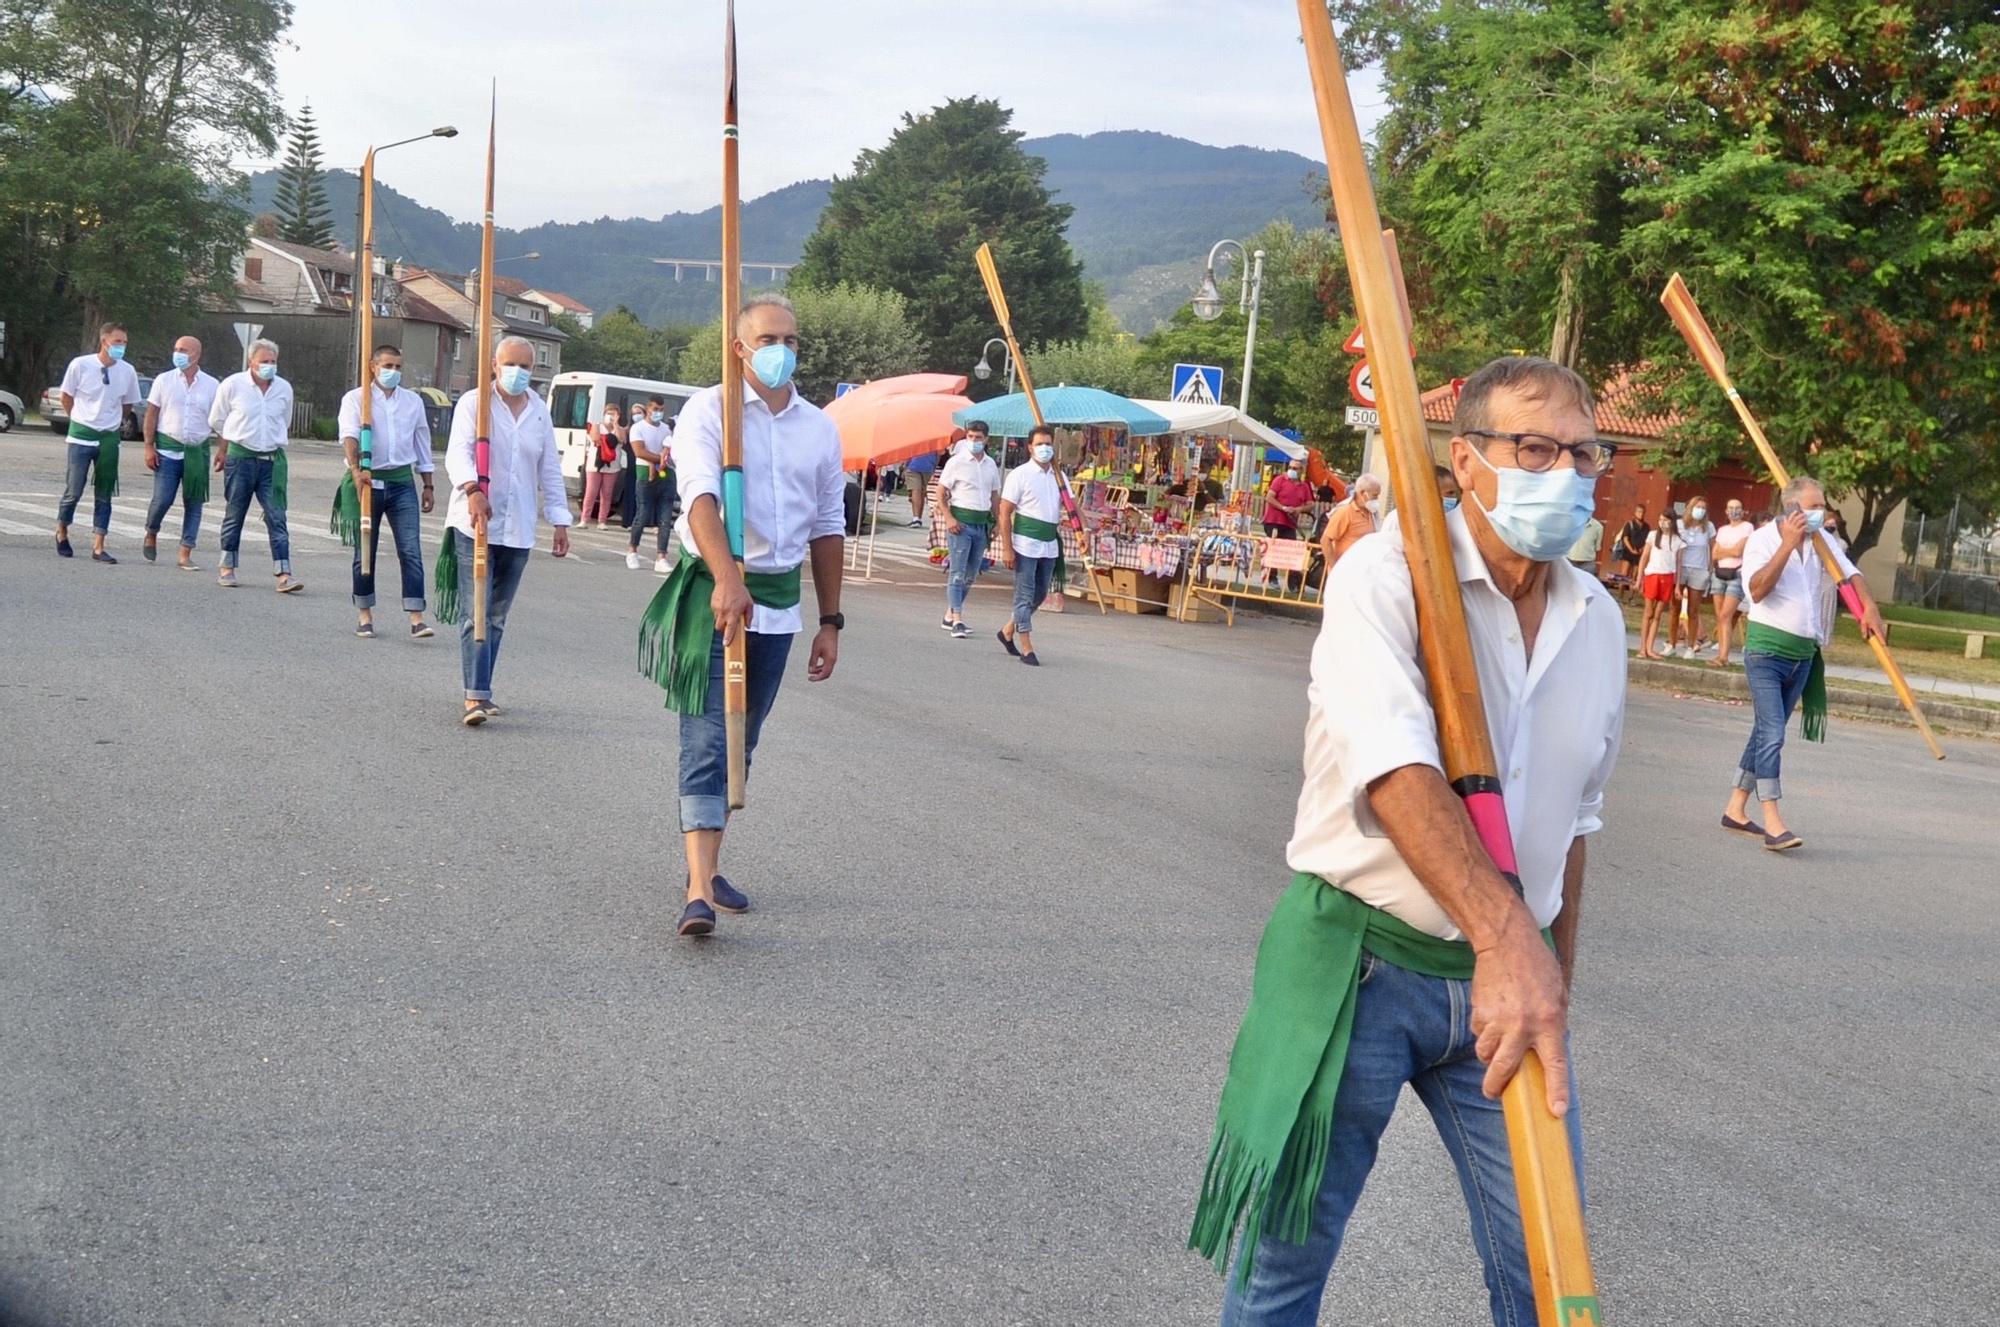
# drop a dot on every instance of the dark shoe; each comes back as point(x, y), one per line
point(697, 918)
point(63, 550)
point(1006, 644)
point(727, 896)
point(1030, 660)
point(492, 710)
point(959, 631)
point(365, 630)
point(946, 624)
point(473, 717)
point(150, 552)
point(105, 558)
point(1743, 826)
point(421, 631)
point(1783, 842)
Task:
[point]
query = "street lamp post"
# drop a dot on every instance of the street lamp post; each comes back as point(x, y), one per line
point(984, 370)
point(364, 249)
point(1208, 307)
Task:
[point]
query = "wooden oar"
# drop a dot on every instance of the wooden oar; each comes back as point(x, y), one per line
point(990, 274)
point(1544, 1172)
point(1695, 331)
point(735, 658)
point(482, 442)
point(364, 290)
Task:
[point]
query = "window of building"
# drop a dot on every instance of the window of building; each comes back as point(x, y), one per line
point(253, 269)
point(542, 355)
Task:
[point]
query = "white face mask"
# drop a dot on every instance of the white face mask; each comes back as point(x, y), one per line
point(1044, 453)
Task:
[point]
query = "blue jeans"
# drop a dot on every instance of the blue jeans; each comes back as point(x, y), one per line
point(705, 740)
point(968, 550)
point(81, 461)
point(167, 487)
point(653, 504)
point(503, 578)
point(245, 477)
point(1775, 687)
point(1408, 1028)
point(1033, 578)
point(399, 503)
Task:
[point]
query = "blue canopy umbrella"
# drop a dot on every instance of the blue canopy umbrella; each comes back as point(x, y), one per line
point(1063, 407)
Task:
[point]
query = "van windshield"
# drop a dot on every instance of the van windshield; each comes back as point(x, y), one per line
point(569, 408)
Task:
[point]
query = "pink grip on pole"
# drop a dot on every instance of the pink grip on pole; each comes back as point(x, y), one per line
point(482, 452)
point(1851, 599)
point(1489, 821)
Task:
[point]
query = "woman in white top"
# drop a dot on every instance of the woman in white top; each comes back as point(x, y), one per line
point(1660, 571)
point(602, 460)
point(1729, 587)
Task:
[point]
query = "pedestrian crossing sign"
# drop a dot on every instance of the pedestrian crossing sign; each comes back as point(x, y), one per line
point(1198, 384)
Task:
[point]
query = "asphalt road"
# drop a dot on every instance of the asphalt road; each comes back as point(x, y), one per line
point(317, 1008)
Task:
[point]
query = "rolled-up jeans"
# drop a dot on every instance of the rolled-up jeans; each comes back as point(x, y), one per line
point(653, 504)
point(399, 503)
point(1775, 688)
point(167, 487)
point(1414, 1029)
point(245, 477)
point(503, 571)
point(704, 738)
point(1033, 578)
point(76, 474)
point(968, 550)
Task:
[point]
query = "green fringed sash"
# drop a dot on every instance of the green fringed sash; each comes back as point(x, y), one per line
point(677, 630)
point(1036, 528)
point(444, 582)
point(1272, 1128)
point(346, 518)
point(104, 472)
point(194, 466)
point(281, 471)
point(1784, 645)
point(968, 516)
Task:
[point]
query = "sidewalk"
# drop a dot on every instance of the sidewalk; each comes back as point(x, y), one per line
point(1936, 686)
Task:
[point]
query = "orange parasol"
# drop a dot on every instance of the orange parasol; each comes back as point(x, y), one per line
point(883, 423)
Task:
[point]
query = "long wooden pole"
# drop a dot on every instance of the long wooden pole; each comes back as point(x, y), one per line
point(735, 659)
point(1701, 340)
point(364, 291)
point(1544, 1172)
point(990, 274)
point(482, 443)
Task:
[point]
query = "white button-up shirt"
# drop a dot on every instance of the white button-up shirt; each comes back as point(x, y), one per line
point(1800, 601)
point(655, 438)
point(1555, 721)
point(794, 490)
point(99, 392)
point(399, 432)
point(1035, 492)
point(970, 482)
point(184, 405)
point(523, 460)
point(260, 420)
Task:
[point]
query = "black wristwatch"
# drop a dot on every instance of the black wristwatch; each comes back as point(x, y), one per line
point(838, 621)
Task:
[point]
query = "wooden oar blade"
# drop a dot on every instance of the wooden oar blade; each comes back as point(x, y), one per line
point(1694, 329)
point(991, 276)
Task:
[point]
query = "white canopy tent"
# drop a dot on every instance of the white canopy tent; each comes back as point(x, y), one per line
point(1221, 421)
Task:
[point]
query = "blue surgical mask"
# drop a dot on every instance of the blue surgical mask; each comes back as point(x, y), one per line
point(182, 359)
point(979, 447)
point(774, 364)
point(116, 352)
point(655, 416)
point(513, 379)
point(1451, 504)
point(1815, 520)
point(267, 370)
point(390, 379)
point(1044, 453)
point(1539, 514)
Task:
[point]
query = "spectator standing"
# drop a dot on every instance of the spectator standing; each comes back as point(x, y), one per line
point(1448, 488)
point(653, 496)
point(1697, 574)
point(1351, 520)
point(918, 473)
point(1660, 560)
point(1583, 553)
point(1289, 495)
point(1729, 543)
point(601, 465)
point(1630, 549)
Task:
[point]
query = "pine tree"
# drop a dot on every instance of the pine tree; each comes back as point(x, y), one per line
point(303, 214)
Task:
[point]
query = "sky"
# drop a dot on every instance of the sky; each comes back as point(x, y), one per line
point(613, 107)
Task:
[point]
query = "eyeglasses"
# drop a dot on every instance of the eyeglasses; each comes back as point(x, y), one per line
point(1537, 451)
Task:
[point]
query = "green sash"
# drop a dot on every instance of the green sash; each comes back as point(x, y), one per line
point(1036, 528)
point(1276, 1115)
point(346, 518)
point(194, 466)
point(970, 517)
point(677, 630)
point(104, 474)
point(281, 469)
point(1784, 645)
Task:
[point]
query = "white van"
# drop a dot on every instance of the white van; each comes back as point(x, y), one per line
point(577, 400)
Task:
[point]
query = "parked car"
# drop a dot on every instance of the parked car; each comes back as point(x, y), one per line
point(11, 411)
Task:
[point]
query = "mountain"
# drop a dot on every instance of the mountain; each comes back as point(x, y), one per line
point(1148, 206)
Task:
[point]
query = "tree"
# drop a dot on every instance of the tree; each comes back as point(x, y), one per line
point(617, 343)
point(303, 215)
point(1113, 364)
point(849, 333)
point(911, 216)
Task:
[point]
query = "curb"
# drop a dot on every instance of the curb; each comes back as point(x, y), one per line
point(1843, 702)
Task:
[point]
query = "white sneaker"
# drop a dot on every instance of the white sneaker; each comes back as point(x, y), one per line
point(661, 565)
point(1687, 651)
point(633, 562)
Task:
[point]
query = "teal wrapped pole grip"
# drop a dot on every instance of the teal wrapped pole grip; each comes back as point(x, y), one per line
point(732, 509)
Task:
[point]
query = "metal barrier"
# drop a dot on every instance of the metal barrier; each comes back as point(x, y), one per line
point(1227, 569)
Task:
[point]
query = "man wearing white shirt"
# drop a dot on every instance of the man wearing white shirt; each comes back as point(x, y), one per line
point(653, 487)
point(794, 508)
point(524, 480)
point(967, 486)
point(1031, 540)
point(1791, 614)
point(177, 434)
point(97, 390)
point(399, 456)
point(253, 416)
point(1401, 955)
